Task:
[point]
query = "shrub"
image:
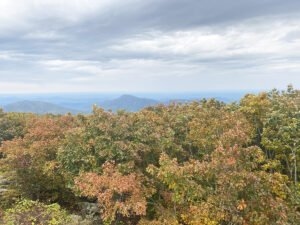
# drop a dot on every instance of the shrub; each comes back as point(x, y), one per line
point(27, 212)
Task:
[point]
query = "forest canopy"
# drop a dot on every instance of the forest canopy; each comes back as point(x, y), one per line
point(204, 162)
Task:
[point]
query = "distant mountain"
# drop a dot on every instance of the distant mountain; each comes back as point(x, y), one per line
point(82, 103)
point(129, 103)
point(37, 107)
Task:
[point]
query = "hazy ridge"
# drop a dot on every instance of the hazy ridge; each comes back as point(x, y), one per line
point(62, 104)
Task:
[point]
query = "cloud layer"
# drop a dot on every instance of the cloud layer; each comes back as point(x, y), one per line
point(150, 46)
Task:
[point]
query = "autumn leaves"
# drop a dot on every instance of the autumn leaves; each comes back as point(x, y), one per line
point(199, 163)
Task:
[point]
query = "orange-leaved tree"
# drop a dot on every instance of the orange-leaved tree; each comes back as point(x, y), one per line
point(120, 196)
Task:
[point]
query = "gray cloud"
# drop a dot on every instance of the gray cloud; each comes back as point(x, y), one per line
point(86, 45)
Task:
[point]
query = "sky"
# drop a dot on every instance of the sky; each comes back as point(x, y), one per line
point(148, 45)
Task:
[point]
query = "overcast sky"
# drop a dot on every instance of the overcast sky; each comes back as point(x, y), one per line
point(148, 45)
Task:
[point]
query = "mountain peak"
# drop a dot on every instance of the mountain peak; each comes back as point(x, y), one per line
point(125, 96)
point(128, 102)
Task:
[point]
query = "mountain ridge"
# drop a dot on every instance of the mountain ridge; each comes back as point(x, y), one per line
point(127, 102)
point(39, 107)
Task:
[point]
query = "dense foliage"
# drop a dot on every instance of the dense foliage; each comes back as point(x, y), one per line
point(35, 213)
point(200, 163)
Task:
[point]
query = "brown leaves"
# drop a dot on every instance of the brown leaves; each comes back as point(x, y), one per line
point(116, 193)
point(241, 205)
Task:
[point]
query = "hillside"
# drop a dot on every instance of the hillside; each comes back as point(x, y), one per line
point(37, 107)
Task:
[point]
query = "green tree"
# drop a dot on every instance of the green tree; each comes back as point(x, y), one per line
point(281, 134)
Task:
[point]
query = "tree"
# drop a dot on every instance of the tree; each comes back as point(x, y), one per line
point(230, 187)
point(214, 125)
point(281, 133)
point(32, 158)
point(255, 109)
point(119, 196)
